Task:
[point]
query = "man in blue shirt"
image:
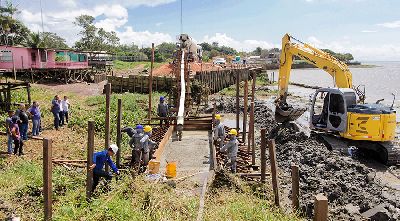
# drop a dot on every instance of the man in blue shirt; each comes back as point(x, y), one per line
point(99, 159)
point(55, 109)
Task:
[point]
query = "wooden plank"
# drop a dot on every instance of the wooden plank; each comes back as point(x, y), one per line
point(163, 142)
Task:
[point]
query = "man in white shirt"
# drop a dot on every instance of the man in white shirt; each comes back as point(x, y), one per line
point(65, 108)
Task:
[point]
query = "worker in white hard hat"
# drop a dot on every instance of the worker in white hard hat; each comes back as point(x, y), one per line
point(99, 160)
point(219, 131)
point(231, 148)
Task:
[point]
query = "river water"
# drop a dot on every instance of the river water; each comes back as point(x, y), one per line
point(380, 81)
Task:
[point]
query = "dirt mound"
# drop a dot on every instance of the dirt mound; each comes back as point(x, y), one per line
point(163, 70)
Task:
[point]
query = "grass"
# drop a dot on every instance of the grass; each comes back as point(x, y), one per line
point(123, 65)
point(129, 199)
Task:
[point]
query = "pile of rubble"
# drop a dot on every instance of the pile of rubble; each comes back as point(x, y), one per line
point(352, 190)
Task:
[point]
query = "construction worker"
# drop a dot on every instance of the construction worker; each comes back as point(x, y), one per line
point(129, 130)
point(147, 144)
point(219, 131)
point(162, 111)
point(99, 159)
point(136, 145)
point(231, 149)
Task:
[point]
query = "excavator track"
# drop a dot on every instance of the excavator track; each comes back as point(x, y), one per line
point(392, 152)
point(387, 152)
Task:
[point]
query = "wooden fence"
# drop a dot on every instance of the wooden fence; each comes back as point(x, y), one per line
point(215, 80)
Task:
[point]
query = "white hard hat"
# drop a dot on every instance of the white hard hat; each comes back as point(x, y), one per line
point(114, 148)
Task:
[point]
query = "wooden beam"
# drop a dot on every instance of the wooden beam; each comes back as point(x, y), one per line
point(272, 156)
point(119, 134)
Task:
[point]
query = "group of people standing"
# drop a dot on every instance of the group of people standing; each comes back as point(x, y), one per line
point(60, 109)
point(17, 122)
point(17, 126)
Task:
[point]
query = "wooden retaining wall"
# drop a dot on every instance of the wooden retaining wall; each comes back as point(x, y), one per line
point(139, 83)
point(215, 80)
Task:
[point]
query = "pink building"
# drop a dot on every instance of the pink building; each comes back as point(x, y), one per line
point(21, 58)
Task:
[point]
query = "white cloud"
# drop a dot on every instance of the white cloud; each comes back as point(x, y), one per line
point(68, 3)
point(111, 17)
point(246, 45)
point(158, 24)
point(360, 52)
point(143, 38)
point(394, 24)
point(369, 31)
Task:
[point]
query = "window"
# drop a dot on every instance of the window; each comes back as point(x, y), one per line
point(82, 58)
point(33, 56)
point(43, 55)
point(5, 56)
point(336, 104)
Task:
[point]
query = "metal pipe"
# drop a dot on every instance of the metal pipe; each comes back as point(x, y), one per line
point(181, 110)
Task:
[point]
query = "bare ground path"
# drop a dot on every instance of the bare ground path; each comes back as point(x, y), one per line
point(191, 155)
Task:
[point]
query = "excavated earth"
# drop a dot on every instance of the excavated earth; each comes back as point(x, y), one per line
point(352, 189)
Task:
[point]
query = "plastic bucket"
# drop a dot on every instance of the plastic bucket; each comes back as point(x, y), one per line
point(154, 166)
point(171, 170)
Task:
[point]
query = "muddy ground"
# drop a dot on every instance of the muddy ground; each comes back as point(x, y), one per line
point(355, 188)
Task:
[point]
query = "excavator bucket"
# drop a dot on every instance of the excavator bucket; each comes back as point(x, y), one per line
point(288, 113)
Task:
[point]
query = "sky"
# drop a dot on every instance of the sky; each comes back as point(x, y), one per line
point(369, 29)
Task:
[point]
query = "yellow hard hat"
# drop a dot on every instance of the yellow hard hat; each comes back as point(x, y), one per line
point(217, 117)
point(147, 129)
point(233, 132)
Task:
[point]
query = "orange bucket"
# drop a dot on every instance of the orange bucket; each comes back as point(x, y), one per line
point(171, 170)
point(154, 166)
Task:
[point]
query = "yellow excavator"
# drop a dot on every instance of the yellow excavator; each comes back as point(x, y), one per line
point(367, 126)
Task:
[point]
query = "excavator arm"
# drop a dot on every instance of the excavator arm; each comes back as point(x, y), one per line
point(339, 71)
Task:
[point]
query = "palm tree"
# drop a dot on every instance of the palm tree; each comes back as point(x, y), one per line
point(35, 41)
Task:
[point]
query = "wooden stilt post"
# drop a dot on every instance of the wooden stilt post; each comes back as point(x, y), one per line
point(295, 187)
point(263, 155)
point(89, 162)
point(151, 82)
point(119, 135)
point(47, 178)
point(237, 100)
point(272, 156)
point(320, 208)
point(28, 90)
point(107, 121)
point(253, 143)
point(246, 91)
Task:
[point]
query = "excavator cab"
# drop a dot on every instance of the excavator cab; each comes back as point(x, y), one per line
point(329, 108)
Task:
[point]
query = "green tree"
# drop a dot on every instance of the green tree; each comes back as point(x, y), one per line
point(52, 40)
point(12, 31)
point(92, 38)
point(258, 51)
point(206, 46)
point(166, 50)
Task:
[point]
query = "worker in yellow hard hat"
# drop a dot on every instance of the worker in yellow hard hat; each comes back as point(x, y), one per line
point(231, 149)
point(219, 131)
point(147, 144)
